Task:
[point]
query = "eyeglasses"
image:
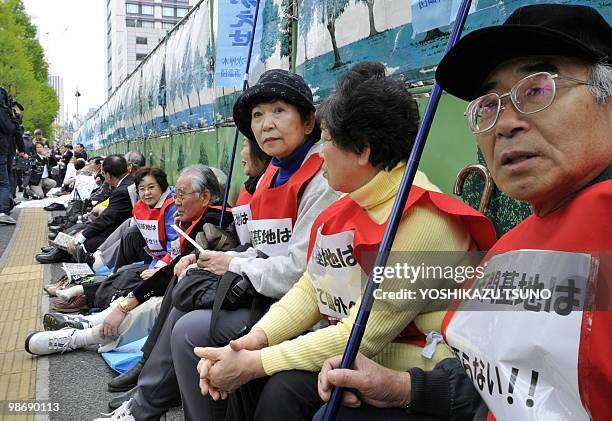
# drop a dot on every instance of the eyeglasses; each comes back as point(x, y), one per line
point(531, 94)
point(180, 195)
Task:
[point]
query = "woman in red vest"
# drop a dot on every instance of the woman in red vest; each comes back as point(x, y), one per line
point(533, 332)
point(278, 112)
point(369, 125)
point(154, 216)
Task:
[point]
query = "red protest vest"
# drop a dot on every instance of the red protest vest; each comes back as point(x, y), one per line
point(346, 215)
point(584, 225)
point(144, 212)
point(281, 202)
point(243, 198)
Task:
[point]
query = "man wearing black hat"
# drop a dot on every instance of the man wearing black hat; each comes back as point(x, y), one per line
point(539, 88)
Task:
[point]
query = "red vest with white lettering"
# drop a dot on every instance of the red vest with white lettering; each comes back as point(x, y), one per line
point(152, 225)
point(558, 365)
point(346, 215)
point(274, 210)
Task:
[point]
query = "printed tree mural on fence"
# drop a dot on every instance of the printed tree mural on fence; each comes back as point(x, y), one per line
point(370, 4)
point(286, 25)
point(202, 72)
point(161, 92)
point(180, 162)
point(162, 158)
point(306, 16)
point(203, 159)
point(329, 11)
point(186, 79)
point(269, 32)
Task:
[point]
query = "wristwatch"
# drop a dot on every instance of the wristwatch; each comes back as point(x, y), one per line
point(124, 303)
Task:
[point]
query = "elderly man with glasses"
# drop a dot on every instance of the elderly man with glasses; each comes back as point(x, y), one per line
point(539, 88)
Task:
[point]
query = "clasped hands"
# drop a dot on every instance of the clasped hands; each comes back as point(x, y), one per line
point(223, 370)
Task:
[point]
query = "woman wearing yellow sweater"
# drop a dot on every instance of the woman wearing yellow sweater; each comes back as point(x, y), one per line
point(369, 124)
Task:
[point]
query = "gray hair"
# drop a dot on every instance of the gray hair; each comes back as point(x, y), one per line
point(136, 159)
point(221, 178)
point(600, 76)
point(203, 180)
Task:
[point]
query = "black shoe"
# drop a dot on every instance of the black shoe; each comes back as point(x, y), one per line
point(82, 256)
point(55, 207)
point(129, 379)
point(116, 402)
point(54, 256)
point(57, 321)
point(47, 249)
point(52, 235)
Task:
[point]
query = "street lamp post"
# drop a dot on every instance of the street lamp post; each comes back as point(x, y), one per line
point(77, 94)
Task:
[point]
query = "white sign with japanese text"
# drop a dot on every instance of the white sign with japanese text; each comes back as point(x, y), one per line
point(242, 215)
point(335, 273)
point(522, 354)
point(271, 236)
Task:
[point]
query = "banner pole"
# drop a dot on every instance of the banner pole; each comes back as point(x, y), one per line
point(245, 85)
point(354, 341)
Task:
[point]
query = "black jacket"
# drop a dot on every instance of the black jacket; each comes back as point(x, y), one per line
point(119, 209)
point(10, 135)
point(49, 161)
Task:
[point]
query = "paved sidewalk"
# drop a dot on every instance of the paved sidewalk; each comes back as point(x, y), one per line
point(21, 280)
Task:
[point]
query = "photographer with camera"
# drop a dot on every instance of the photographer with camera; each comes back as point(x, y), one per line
point(40, 182)
point(10, 141)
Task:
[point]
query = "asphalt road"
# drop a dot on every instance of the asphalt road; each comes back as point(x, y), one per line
point(76, 380)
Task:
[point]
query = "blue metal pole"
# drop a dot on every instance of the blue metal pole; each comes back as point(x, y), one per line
point(352, 347)
point(245, 85)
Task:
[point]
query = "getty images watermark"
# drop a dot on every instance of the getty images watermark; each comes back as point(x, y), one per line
point(459, 274)
point(531, 280)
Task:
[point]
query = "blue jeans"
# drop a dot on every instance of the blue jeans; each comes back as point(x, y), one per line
point(5, 188)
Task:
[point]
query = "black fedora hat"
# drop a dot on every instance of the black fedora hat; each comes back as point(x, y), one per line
point(273, 84)
point(541, 29)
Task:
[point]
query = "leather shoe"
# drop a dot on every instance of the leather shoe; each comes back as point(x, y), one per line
point(52, 235)
point(61, 283)
point(117, 401)
point(54, 207)
point(82, 256)
point(54, 256)
point(73, 305)
point(128, 379)
point(47, 249)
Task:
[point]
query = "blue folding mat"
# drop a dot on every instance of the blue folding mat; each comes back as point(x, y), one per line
point(123, 358)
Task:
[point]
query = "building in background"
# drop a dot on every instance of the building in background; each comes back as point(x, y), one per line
point(57, 83)
point(133, 29)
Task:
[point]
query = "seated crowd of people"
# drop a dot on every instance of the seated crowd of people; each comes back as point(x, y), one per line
point(247, 310)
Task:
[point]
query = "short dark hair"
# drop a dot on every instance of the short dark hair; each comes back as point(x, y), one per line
point(79, 164)
point(69, 146)
point(369, 108)
point(81, 145)
point(38, 143)
point(115, 165)
point(157, 173)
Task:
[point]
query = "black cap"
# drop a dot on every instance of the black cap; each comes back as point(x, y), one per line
point(273, 84)
point(541, 29)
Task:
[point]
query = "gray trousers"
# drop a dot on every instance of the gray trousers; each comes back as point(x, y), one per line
point(170, 370)
point(43, 187)
point(109, 249)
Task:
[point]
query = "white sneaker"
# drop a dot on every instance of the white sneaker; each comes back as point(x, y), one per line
point(122, 413)
point(51, 342)
point(6, 220)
